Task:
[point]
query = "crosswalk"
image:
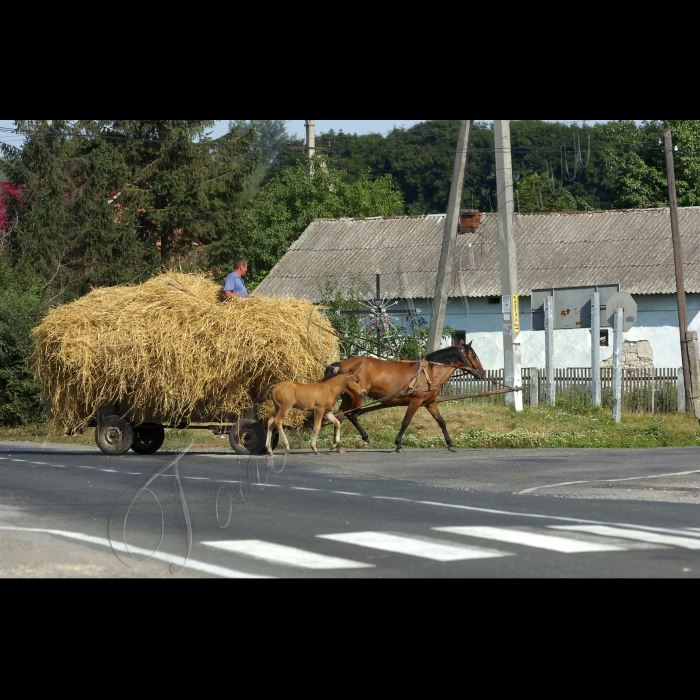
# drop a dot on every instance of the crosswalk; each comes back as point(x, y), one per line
point(285, 556)
point(553, 543)
point(414, 547)
point(476, 543)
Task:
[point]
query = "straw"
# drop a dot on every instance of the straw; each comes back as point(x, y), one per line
point(169, 351)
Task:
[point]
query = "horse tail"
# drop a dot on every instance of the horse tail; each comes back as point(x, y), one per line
point(266, 393)
point(332, 371)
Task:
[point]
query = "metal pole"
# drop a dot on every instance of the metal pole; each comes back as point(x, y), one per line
point(617, 365)
point(549, 350)
point(379, 301)
point(678, 261)
point(508, 255)
point(596, 391)
point(437, 322)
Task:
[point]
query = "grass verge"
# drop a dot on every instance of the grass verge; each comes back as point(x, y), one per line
point(471, 425)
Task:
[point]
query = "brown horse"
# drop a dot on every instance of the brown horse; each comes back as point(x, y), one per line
point(319, 398)
point(418, 382)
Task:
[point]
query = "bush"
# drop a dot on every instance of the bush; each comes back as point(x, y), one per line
point(21, 308)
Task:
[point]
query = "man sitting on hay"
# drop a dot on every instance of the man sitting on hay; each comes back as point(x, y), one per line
point(235, 288)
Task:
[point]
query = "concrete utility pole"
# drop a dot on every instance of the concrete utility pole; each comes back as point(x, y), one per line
point(550, 379)
point(596, 388)
point(678, 260)
point(311, 137)
point(509, 262)
point(437, 322)
point(617, 365)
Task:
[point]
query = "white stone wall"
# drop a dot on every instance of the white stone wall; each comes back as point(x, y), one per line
point(657, 324)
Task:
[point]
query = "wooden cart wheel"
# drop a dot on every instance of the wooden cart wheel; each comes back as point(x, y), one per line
point(114, 436)
point(248, 437)
point(148, 439)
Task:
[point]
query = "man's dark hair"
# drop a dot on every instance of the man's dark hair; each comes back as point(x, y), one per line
point(238, 263)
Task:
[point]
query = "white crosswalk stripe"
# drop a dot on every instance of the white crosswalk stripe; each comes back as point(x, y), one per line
point(414, 547)
point(285, 556)
point(552, 543)
point(637, 535)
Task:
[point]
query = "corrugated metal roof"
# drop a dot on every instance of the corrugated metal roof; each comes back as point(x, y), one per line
point(632, 248)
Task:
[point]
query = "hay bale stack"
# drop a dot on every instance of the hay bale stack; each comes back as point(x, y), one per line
point(169, 350)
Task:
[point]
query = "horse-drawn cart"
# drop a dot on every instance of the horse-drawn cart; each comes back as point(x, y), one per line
point(115, 434)
point(135, 361)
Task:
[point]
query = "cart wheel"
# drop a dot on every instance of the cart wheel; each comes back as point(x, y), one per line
point(248, 437)
point(114, 436)
point(148, 439)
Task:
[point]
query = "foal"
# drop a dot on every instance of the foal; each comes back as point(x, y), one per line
point(319, 397)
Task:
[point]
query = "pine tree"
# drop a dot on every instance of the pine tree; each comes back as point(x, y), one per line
point(106, 202)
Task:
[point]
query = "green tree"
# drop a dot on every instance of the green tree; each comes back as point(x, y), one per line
point(284, 208)
point(421, 160)
point(537, 193)
point(21, 308)
point(636, 158)
point(106, 202)
point(271, 136)
point(182, 186)
point(270, 139)
point(66, 228)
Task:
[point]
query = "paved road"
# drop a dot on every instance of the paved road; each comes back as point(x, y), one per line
point(560, 513)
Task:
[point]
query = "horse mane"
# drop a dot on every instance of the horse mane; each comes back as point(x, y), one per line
point(446, 356)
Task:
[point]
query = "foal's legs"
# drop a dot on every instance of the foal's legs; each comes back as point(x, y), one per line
point(336, 423)
point(318, 422)
point(412, 408)
point(276, 422)
point(435, 413)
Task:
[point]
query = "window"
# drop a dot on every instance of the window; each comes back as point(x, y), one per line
point(494, 301)
point(459, 338)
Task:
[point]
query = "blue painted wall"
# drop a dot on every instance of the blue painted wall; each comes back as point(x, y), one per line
point(657, 323)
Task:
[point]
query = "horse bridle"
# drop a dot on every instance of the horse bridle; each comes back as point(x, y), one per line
point(464, 368)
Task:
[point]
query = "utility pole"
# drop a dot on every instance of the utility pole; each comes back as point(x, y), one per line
point(311, 137)
point(509, 263)
point(596, 387)
point(437, 322)
point(680, 280)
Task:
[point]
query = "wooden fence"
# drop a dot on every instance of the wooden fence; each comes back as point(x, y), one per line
point(649, 391)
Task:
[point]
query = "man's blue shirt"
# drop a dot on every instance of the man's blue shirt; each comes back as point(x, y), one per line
point(236, 285)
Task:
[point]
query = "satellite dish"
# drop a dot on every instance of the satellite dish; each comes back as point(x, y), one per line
point(627, 304)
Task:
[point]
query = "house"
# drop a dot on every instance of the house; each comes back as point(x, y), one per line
point(6, 188)
point(632, 248)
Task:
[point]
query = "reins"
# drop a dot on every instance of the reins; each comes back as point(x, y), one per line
point(413, 390)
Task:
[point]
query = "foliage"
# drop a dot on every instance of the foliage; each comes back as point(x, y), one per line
point(637, 160)
point(535, 193)
point(105, 202)
point(270, 139)
point(421, 160)
point(358, 338)
point(21, 307)
point(268, 225)
point(271, 136)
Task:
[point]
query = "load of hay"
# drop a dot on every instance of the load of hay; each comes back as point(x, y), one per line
point(170, 351)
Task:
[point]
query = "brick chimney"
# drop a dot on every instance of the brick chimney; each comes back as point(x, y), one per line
point(469, 221)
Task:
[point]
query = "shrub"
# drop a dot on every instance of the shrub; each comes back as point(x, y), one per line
point(21, 308)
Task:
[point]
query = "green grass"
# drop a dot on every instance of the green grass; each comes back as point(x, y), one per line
point(471, 425)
